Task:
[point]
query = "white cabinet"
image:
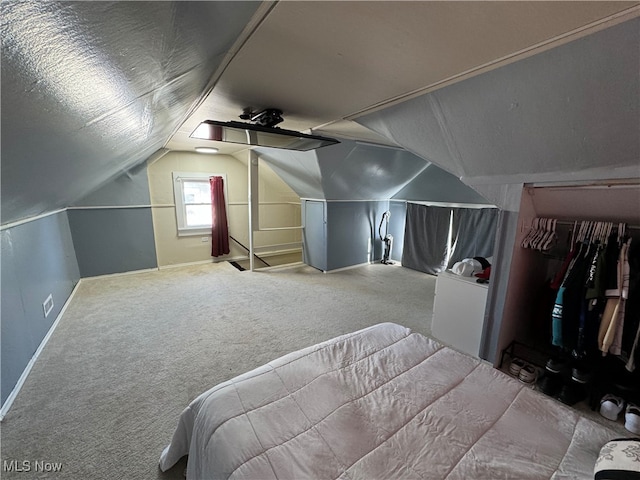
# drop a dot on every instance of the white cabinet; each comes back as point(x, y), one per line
point(458, 311)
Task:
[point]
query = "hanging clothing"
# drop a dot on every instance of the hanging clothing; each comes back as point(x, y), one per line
point(593, 304)
point(560, 275)
point(586, 319)
point(616, 345)
point(566, 311)
point(558, 306)
point(631, 330)
point(556, 318)
point(597, 297)
point(614, 309)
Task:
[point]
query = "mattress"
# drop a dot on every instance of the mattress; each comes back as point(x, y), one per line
point(382, 403)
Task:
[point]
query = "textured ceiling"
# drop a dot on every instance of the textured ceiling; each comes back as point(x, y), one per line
point(565, 114)
point(92, 89)
point(324, 62)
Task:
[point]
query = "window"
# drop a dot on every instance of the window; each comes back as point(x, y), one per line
point(192, 193)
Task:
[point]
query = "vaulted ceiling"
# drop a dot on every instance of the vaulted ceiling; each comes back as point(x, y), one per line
point(93, 89)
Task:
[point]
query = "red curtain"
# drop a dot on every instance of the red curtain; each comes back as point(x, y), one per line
point(219, 228)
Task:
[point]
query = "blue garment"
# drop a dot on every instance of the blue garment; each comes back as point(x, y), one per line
point(556, 318)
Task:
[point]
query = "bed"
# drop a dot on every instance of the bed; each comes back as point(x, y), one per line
point(382, 403)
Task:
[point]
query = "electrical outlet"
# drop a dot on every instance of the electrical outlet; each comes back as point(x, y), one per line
point(204, 239)
point(47, 305)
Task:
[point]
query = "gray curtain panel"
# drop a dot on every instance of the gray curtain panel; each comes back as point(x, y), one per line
point(474, 232)
point(425, 238)
point(427, 229)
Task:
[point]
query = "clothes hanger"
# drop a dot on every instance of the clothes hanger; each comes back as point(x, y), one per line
point(525, 240)
point(602, 227)
point(609, 230)
point(582, 235)
point(573, 233)
point(526, 243)
point(546, 235)
point(540, 228)
point(539, 233)
point(595, 238)
point(551, 237)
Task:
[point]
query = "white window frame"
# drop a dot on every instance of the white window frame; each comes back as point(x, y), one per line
point(178, 195)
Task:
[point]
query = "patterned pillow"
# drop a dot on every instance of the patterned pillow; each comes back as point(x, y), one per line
point(619, 460)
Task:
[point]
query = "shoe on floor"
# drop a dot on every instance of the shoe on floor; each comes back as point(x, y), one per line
point(516, 366)
point(632, 419)
point(611, 406)
point(557, 365)
point(527, 374)
point(580, 375)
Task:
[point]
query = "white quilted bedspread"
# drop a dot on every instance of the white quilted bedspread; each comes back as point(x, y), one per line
point(381, 403)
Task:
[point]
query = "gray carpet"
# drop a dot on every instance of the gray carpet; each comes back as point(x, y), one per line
point(132, 351)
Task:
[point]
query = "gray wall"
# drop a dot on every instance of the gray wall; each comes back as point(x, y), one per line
point(348, 171)
point(113, 240)
point(435, 185)
point(500, 269)
point(352, 183)
point(314, 233)
point(343, 234)
point(38, 259)
point(115, 233)
point(397, 223)
point(352, 233)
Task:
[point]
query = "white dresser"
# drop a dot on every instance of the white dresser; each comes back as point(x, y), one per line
point(458, 311)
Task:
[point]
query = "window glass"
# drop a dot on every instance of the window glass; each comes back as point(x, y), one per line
point(196, 192)
point(192, 195)
point(198, 215)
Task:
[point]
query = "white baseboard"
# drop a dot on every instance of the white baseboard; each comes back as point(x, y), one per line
point(276, 268)
point(185, 264)
point(119, 274)
point(236, 258)
point(202, 262)
point(14, 393)
point(356, 266)
point(273, 253)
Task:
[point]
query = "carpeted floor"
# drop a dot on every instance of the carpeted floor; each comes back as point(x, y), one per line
point(132, 351)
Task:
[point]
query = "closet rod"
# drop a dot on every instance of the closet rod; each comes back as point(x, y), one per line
point(570, 223)
point(624, 183)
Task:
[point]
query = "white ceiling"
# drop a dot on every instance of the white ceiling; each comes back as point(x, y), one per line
point(325, 63)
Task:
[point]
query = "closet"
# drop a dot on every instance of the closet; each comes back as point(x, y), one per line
point(593, 213)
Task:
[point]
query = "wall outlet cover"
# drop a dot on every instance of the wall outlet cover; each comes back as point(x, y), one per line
point(47, 305)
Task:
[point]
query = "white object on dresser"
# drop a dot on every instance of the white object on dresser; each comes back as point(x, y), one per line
point(458, 311)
